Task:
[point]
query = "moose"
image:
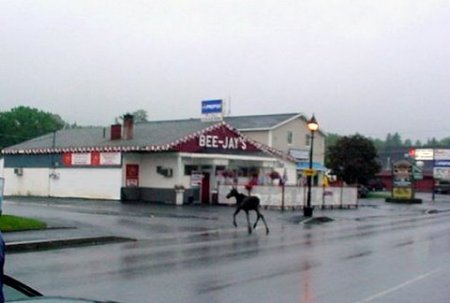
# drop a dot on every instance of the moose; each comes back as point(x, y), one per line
point(246, 203)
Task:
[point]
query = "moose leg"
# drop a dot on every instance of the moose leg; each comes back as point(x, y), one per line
point(234, 217)
point(265, 224)
point(248, 222)
point(264, 221)
point(258, 215)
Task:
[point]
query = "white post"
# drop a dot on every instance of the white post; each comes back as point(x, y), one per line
point(179, 196)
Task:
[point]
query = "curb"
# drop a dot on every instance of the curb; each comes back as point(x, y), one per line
point(25, 246)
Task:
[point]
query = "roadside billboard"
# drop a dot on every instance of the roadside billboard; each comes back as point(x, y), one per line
point(402, 174)
point(423, 154)
point(442, 154)
point(441, 165)
point(441, 169)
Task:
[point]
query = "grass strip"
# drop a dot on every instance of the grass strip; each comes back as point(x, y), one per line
point(378, 194)
point(10, 223)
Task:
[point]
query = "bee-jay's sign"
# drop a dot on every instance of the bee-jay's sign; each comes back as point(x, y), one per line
point(215, 141)
point(219, 139)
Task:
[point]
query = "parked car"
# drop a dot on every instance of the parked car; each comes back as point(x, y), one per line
point(375, 185)
point(442, 187)
point(362, 191)
point(16, 291)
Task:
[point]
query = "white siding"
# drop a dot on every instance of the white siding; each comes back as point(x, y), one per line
point(90, 183)
point(32, 182)
point(151, 178)
point(277, 138)
point(148, 175)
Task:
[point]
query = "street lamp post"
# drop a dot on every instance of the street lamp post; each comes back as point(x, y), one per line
point(313, 126)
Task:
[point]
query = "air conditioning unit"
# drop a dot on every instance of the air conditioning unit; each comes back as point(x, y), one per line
point(166, 172)
point(18, 171)
point(54, 176)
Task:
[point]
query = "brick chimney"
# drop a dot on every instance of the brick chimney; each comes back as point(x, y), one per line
point(128, 126)
point(116, 132)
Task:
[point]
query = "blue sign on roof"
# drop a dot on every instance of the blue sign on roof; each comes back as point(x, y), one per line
point(212, 106)
point(442, 163)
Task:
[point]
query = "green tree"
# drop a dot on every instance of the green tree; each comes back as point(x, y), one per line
point(23, 123)
point(353, 159)
point(378, 143)
point(140, 116)
point(433, 142)
point(393, 141)
point(331, 139)
point(445, 142)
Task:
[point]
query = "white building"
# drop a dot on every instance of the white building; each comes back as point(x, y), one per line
point(166, 161)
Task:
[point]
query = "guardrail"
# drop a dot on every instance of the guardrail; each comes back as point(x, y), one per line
point(294, 197)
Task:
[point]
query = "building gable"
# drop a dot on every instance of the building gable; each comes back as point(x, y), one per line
point(220, 137)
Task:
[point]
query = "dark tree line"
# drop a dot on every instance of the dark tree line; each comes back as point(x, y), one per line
point(395, 141)
point(354, 159)
point(23, 123)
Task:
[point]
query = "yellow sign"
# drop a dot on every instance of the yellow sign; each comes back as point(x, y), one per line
point(402, 193)
point(325, 181)
point(309, 172)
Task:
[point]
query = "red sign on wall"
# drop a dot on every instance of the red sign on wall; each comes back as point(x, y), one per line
point(132, 175)
point(91, 159)
point(95, 158)
point(67, 159)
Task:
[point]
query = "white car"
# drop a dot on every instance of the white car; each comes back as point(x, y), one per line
point(15, 291)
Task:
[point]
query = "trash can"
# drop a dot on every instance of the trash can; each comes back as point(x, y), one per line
point(215, 197)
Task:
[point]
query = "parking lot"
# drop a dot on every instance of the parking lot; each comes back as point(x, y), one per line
point(193, 253)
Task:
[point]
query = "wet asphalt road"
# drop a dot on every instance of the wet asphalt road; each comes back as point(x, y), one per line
point(380, 252)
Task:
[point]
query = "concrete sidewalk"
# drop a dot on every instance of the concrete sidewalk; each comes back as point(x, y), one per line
point(24, 246)
point(56, 237)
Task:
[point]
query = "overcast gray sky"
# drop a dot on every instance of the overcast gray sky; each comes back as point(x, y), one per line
point(371, 67)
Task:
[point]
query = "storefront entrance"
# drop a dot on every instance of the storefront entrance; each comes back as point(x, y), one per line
point(205, 188)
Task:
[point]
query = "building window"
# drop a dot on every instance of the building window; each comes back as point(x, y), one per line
point(289, 137)
point(247, 171)
point(188, 169)
point(308, 140)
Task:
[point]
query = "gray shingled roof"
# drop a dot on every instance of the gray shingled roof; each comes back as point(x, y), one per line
point(259, 121)
point(145, 134)
point(155, 133)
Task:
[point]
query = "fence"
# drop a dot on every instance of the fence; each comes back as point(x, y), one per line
point(294, 197)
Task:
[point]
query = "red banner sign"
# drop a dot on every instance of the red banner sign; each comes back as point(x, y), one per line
point(91, 159)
